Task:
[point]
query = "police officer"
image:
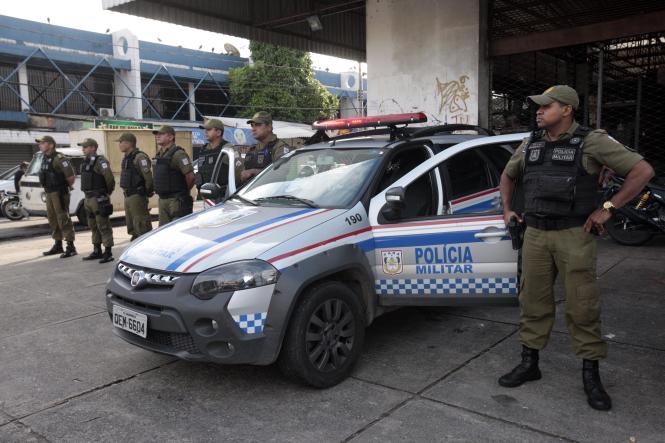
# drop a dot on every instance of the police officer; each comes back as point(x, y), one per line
point(97, 182)
point(559, 166)
point(268, 149)
point(137, 185)
point(57, 177)
point(214, 132)
point(174, 177)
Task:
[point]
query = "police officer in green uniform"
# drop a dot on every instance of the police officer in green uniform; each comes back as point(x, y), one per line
point(174, 177)
point(268, 149)
point(214, 132)
point(57, 177)
point(97, 182)
point(559, 166)
point(137, 186)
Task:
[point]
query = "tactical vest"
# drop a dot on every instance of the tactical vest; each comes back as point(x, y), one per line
point(255, 159)
point(555, 182)
point(207, 160)
point(91, 180)
point(130, 177)
point(168, 181)
point(49, 178)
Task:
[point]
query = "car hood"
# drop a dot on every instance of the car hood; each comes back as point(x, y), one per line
point(221, 234)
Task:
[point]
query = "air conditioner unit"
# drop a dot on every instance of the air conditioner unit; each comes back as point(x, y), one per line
point(106, 112)
point(349, 81)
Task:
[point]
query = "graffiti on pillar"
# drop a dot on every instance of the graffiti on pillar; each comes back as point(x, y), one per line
point(453, 96)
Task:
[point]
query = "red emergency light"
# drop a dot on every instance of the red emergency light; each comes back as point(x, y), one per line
point(371, 121)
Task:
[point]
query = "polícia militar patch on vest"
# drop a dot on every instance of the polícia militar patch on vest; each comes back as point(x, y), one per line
point(535, 152)
point(566, 155)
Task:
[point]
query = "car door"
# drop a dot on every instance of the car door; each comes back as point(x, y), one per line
point(446, 258)
point(225, 165)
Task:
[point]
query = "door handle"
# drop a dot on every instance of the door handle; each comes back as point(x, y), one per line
point(490, 234)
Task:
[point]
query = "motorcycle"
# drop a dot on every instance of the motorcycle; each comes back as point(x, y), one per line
point(639, 220)
point(10, 206)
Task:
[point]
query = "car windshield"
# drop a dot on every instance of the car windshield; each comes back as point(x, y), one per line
point(320, 178)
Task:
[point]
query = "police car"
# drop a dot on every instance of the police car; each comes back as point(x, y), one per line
point(296, 264)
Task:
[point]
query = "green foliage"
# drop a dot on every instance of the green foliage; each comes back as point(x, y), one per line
point(281, 81)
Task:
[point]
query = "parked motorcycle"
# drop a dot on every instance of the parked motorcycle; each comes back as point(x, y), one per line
point(10, 206)
point(639, 220)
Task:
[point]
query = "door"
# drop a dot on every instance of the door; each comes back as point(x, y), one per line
point(446, 258)
point(224, 175)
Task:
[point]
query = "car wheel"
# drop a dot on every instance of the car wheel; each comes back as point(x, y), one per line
point(325, 336)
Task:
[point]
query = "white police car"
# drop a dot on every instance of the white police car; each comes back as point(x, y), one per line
point(295, 265)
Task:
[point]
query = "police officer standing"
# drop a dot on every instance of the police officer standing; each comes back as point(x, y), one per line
point(268, 149)
point(174, 177)
point(57, 176)
point(214, 132)
point(97, 182)
point(137, 186)
point(559, 166)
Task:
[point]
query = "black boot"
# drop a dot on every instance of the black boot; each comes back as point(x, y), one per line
point(595, 393)
point(525, 371)
point(107, 256)
point(55, 249)
point(95, 254)
point(70, 250)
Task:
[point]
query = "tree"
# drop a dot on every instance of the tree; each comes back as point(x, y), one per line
point(281, 81)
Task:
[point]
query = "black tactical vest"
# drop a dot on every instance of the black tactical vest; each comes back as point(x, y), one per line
point(207, 160)
point(168, 181)
point(91, 180)
point(555, 182)
point(255, 159)
point(49, 178)
point(130, 177)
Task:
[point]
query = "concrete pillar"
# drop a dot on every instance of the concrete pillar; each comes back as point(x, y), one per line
point(128, 103)
point(23, 89)
point(192, 101)
point(430, 56)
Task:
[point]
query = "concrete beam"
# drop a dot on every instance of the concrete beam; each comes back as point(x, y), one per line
point(625, 27)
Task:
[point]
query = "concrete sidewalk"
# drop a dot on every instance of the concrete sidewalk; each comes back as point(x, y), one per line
point(427, 374)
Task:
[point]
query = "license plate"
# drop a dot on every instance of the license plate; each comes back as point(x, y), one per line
point(130, 321)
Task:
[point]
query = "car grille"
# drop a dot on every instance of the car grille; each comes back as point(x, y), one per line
point(172, 340)
point(149, 277)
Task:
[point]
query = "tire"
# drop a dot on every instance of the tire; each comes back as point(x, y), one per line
point(12, 209)
point(325, 336)
point(626, 232)
point(82, 215)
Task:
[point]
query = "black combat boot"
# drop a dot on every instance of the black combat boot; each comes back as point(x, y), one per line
point(107, 256)
point(55, 249)
point(595, 393)
point(525, 371)
point(96, 252)
point(70, 250)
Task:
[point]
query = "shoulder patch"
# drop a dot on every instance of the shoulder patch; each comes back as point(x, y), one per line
point(185, 161)
point(104, 164)
point(65, 164)
point(286, 150)
point(144, 162)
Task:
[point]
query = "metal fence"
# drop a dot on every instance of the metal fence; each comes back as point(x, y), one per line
point(621, 84)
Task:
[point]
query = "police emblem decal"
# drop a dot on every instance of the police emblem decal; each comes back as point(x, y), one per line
point(534, 155)
point(392, 262)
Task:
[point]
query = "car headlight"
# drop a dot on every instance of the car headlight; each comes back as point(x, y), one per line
point(235, 276)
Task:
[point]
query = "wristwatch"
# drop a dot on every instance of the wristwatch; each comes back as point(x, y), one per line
point(609, 206)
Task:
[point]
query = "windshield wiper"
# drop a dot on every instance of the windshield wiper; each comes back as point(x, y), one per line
point(304, 201)
point(244, 200)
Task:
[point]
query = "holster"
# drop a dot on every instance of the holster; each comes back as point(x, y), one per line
point(104, 206)
point(186, 204)
point(516, 230)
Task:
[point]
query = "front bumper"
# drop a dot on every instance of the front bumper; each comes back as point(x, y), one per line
point(221, 330)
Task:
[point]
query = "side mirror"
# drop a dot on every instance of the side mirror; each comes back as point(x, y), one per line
point(395, 203)
point(211, 191)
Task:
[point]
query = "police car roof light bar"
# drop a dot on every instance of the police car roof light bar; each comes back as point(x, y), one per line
point(371, 121)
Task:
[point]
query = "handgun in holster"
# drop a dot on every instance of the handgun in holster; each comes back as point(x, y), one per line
point(516, 230)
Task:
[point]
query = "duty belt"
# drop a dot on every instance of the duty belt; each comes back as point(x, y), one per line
point(90, 194)
point(546, 223)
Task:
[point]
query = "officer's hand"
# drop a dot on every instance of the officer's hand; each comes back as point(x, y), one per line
point(597, 220)
point(246, 175)
point(507, 215)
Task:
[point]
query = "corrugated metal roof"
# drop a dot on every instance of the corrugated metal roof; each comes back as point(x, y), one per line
point(280, 22)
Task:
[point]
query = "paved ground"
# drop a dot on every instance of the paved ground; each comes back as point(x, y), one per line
point(426, 374)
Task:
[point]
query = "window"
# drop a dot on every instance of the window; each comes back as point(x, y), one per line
point(468, 174)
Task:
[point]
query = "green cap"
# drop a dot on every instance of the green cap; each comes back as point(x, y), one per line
point(88, 142)
point(166, 129)
point(261, 117)
point(560, 93)
point(213, 123)
point(127, 137)
point(45, 138)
